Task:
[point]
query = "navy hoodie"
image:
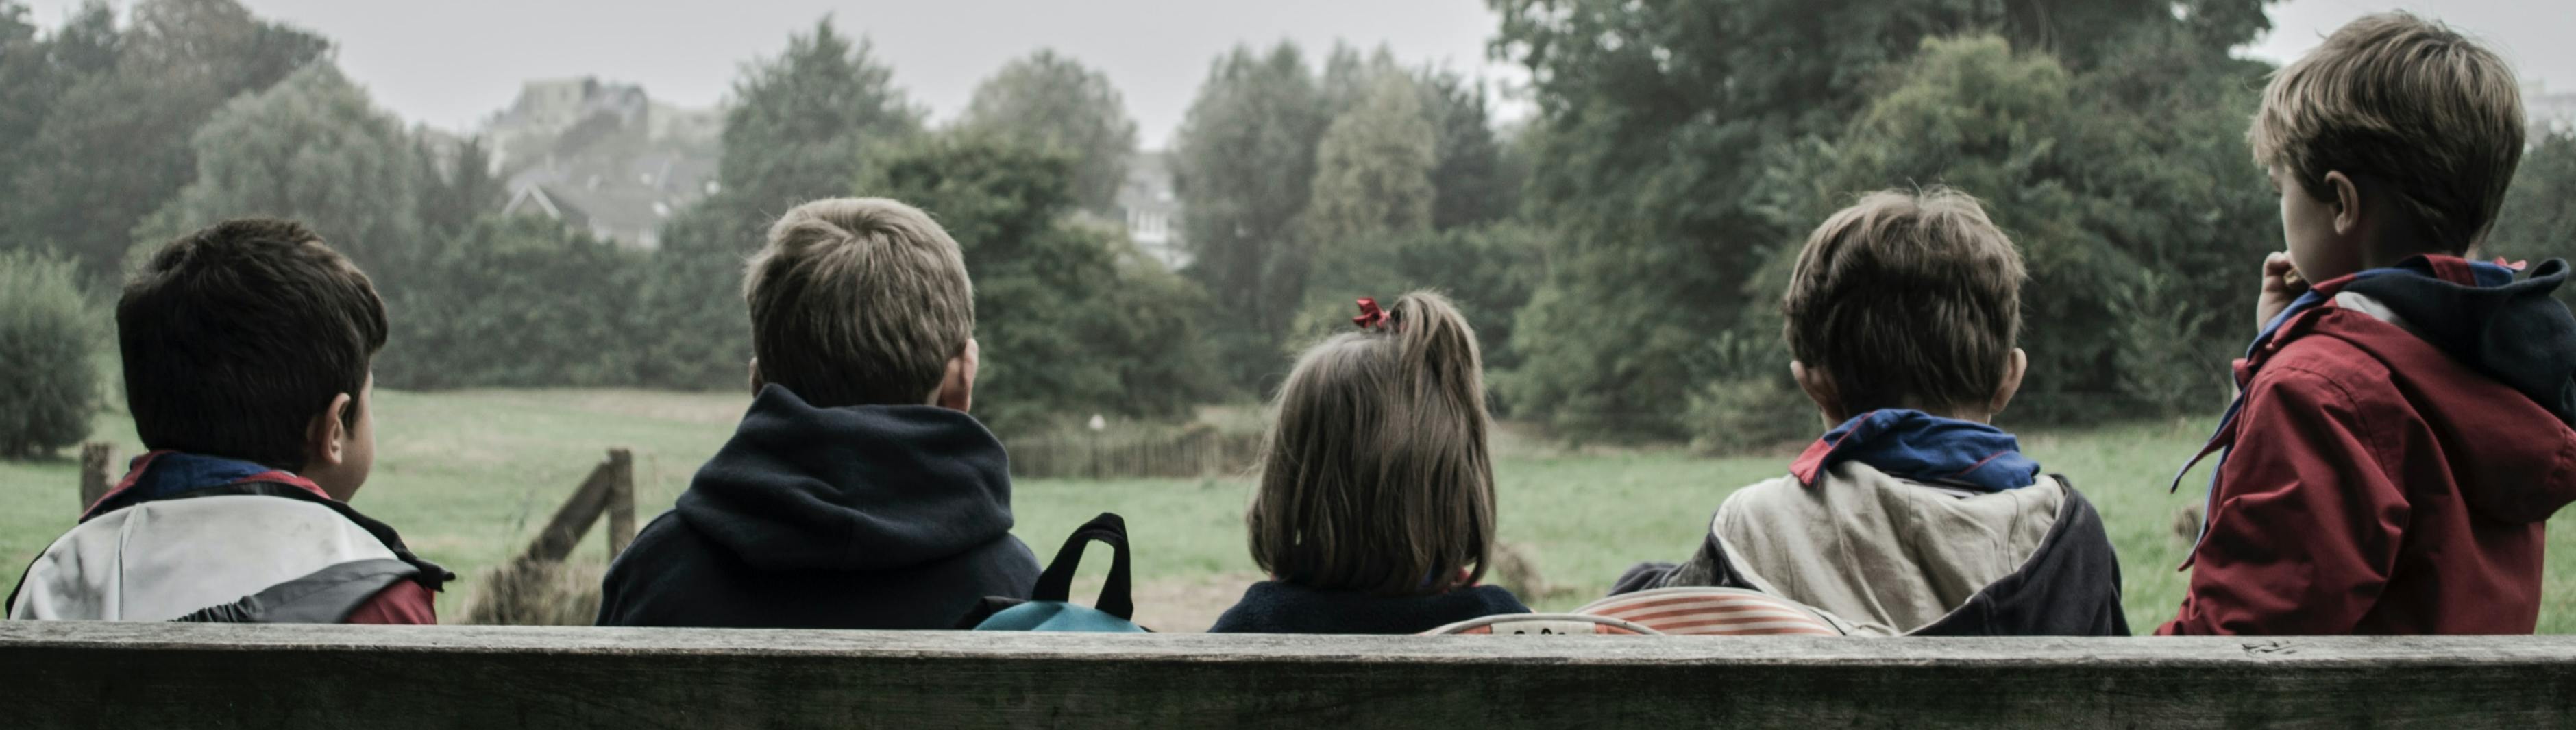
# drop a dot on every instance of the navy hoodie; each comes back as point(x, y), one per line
point(865, 517)
point(1280, 607)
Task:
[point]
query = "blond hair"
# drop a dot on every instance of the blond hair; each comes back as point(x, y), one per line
point(858, 301)
point(1908, 300)
point(2406, 101)
point(1376, 477)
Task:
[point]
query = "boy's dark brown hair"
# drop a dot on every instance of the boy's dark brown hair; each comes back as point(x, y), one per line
point(236, 336)
point(858, 301)
point(2404, 102)
point(1908, 300)
point(1376, 477)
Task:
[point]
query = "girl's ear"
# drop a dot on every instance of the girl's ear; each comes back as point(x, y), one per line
point(756, 382)
point(2015, 366)
point(1819, 386)
point(326, 438)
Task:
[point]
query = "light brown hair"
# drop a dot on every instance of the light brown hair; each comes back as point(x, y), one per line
point(1377, 476)
point(1908, 300)
point(2407, 102)
point(858, 301)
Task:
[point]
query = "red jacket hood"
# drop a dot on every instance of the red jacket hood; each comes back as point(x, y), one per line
point(2512, 452)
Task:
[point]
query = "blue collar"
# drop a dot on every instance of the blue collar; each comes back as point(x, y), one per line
point(1917, 446)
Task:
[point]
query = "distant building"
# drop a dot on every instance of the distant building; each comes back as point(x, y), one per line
point(2549, 112)
point(603, 159)
point(548, 108)
point(624, 200)
point(1152, 210)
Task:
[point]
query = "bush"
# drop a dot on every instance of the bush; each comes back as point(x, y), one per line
point(48, 390)
point(1750, 414)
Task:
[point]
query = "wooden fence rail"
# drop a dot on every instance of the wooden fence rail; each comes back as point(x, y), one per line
point(84, 675)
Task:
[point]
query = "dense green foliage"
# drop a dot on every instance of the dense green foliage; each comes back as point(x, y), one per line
point(48, 389)
point(1302, 192)
point(516, 302)
point(1069, 322)
point(1680, 147)
point(115, 111)
point(1052, 101)
point(312, 148)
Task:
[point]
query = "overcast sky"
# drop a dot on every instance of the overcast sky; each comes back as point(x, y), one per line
point(453, 62)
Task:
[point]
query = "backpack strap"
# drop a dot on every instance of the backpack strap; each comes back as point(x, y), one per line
point(1117, 594)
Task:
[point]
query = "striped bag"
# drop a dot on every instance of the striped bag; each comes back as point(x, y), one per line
point(1706, 611)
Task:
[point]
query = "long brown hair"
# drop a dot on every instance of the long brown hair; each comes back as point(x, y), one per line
point(1377, 477)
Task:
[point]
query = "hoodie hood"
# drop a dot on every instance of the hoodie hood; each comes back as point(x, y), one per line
point(1911, 444)
point(860, 488)
point(2513, 331)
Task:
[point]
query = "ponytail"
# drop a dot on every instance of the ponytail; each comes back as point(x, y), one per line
point(1377, 475)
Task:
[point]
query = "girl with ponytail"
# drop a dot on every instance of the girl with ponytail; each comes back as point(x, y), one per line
point(1375, 513)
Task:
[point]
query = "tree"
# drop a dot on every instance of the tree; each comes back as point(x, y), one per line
point(1244, 166)
point(315, 149)
point(801, 124)
point(515, 302)
point(48, 388)
point(115, 145)
point(2539, 216)
point(1656, 126)
point(1373, 167)
point(1068, 326)
point(1473, 185)
point(1049, 100)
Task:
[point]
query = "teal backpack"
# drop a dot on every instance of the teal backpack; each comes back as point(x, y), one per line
point(1048, 608)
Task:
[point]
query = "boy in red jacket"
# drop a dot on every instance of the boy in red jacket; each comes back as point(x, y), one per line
point(246, 349)
point(2403, 427)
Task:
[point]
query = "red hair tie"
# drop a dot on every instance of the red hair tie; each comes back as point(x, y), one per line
point(1371, 317)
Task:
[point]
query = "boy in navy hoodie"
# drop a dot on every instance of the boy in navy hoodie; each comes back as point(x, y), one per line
point(856, 493)
point(246, 349)
point(1911, 515)
point(2402, 434)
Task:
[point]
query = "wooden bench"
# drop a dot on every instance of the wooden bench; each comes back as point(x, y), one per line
point(85, 675)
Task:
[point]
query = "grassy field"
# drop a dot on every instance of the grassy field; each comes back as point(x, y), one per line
point(467, 475)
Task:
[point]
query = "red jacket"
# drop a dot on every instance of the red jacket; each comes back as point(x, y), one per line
point(2397, 451)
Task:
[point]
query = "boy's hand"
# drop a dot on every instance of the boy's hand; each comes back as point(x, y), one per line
point(2281, 285)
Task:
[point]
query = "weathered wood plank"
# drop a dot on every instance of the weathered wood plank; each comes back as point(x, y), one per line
point(572, 521)
point(621, 501)
point(97, 460)
point(68, 675)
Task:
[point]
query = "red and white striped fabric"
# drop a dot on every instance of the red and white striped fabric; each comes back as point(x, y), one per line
point(1705, 611)
point(1541, 624)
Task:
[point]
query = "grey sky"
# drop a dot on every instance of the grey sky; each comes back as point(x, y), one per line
point(452, 62)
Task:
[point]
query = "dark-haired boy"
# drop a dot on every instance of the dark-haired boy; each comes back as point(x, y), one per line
point(1911, 515)
point(2402, 435)
point(246, 349)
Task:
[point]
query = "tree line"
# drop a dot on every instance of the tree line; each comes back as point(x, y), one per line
point(1621, 252)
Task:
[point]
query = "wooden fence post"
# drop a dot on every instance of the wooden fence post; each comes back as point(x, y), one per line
point(621, 502)
point(95, 460)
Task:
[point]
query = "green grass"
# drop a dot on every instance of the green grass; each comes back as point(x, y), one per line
point(467, 475)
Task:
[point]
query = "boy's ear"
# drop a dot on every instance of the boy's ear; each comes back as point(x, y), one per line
point(957, 387)
point(2346, 201)
point(326, 437)
point(1819, 386)
point(2015, 366)
point(756, 382)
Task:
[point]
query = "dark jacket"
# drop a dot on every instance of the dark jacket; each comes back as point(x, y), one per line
point(1274, 607)
point(2401, 439)
point(868, 517)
